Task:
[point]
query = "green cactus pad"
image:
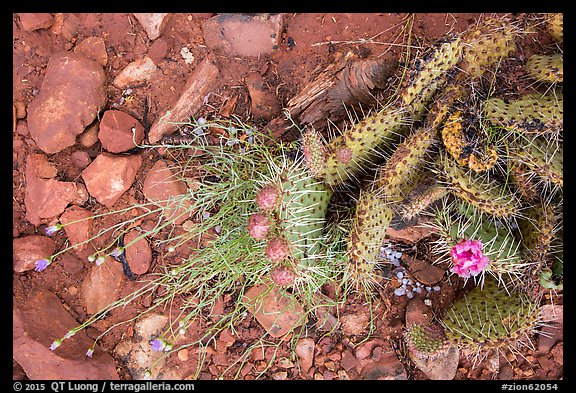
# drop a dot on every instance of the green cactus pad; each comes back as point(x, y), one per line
point(542, 156)
point(428, 74)
point(538, 229)
point(360, 144)
point(490, 318)
point(546, 68)
point(525, 181)
point(479, 190)
point(532, 113)
point(422, 200)
point(555, 26)
point(397, 174)
point(372, 217)
point(302, 212)
point(426, 341)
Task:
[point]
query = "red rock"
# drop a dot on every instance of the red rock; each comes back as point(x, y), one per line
point(90, 135)
point(136, 73)
point(119, 131)
point(80, 159)
point(41, 166)
point(109, 176)
point(305, 352)
point(244, 35)
point(32, 337)
point(278, 312)
point(158, 50)
point(355, 323)
point(151, 22)
point(424, 272)
point(363, 351)
point(71, 96)
point(102, 285)
point(388, 368)
point(161, 187)
point(71, 263)
point(93, 48)
point(349, 361)
point(417, 312)
point(45, 198)
point(138, 252)
point(264, 103)
point(35, 21)
point(442, 367)
point(29, 249)
point(410, 234)
point(79, 231)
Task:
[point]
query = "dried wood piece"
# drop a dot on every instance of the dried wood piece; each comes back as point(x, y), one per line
point(202, 81)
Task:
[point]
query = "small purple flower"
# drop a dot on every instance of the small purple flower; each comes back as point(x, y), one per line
point(55, 344)
point(158, 345)
point(52, 229)
point(117, 252)
point(41, 264)
point(89, 353)
point(100, 260)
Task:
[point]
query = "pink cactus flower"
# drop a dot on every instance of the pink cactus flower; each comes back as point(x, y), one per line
point(277, 250)
point(467, 258)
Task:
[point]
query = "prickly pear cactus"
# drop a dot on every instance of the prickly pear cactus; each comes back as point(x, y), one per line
point(426, 341)
point(482, 191)
point(533, 113)
point(428, 74)
point(490, 318)
point(546, 68)
point(402, 168)
point(421, 199)
point(291, 219)
point(542, 157)
point(372, 217)
point(538, 228)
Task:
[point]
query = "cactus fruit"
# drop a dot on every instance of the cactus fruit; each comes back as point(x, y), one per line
point(372, 218)
point(543, 157)
point(486, 45)
point(426, 341)
point(489, 318)
point(532, 113)
point(479, 190)
point(546, 68)
point(258, 226)
point(349, 153)
point(268, 197)
point(555, 26)
point(397, 174)
point(428, 74)
point(282, 275)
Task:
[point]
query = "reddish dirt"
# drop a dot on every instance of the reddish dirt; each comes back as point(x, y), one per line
point(306, 48)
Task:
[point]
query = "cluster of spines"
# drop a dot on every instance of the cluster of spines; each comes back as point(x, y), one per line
point(538, 227)
point(426, 341)
point(421, 199)
point(542, 157)
point(490, 318)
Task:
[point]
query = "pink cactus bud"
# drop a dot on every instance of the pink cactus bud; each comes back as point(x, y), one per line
point(282, 275)
point(258, 226)
point(343, 155)
point(467, 258)
point(268, 197)
point(277, 250)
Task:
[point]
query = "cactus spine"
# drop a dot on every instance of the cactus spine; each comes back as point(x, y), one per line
point(546, 68)
point(426, 341)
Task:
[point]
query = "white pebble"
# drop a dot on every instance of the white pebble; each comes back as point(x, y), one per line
point(436, 288)
point(400, 275)
point(397, 255)
point(395, 262)
point(409, 295)
point(428, 302)
point(428, 289)
point(405, 281)
point(418, 284)
point(400, 291)
point(408, 281)
point(201, 121)
point(417, 289)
